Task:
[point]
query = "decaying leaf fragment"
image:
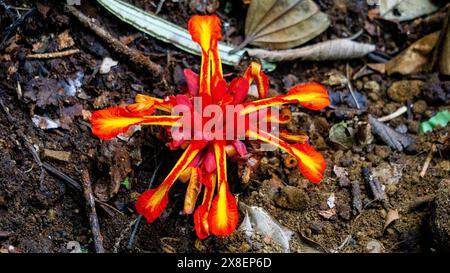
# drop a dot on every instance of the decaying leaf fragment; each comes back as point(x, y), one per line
point(413, 59)
point(337, 49)
point(391, 216)
point(404, 10)
point(281, 24)
point(391, 137)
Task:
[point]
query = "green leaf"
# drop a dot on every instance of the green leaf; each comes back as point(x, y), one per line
point(341, 134)
point(440, 119)
point(126, 183)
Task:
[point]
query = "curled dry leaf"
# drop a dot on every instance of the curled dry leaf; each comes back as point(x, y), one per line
point(284, 23)
point(338, 49)
point(404, 10)
point(412, 60)
point(391, 216)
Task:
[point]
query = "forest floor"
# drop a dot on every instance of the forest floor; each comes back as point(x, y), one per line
point(40, 212)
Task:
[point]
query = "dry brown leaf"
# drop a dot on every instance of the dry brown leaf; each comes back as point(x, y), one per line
point(444, 60)
point(284, 23)
point(391, 216)
point(65, 40)
point(413, 59)
point(338, 49)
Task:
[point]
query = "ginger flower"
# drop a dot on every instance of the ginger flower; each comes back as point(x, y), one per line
point(199, 123)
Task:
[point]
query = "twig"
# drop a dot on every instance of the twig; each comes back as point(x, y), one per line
point(6, 32)
point(349, 84)
point(62, 176)
point(134, 55)
point(356, 198)
point(427, 162)
point(158, 9)
point(98, 239)
point(54, 171)
point(139, 218)
point(53, 54)
point(400, 111)
point(374, 184)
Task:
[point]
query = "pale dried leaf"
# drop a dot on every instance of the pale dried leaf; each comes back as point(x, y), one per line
point(404, 10)
point(338, 49)
point(106, 65)
point(283, 24)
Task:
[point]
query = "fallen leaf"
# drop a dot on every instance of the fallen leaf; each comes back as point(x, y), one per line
point(65, 40)
point(258, 220)
point(391, 137)
point(337, 49)
point(327, 214)
point(444, 60)
point(404, 10)
point(106, 65)
point(67, 114)
point(342, 176)
point(45, 123)
point(114, 154)
point(341, 134)
point(413, 59)
point(391, 216)
point(283, 24)
point(374, 247)
point(388, 173)
point(43, 91)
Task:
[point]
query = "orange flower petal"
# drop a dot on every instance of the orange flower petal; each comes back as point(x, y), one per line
point(262, 81)
point(205, 29)
point(108, 123)
point(313, 96)
point(312, 164)
point(145, 102)
point(192, 191)
point(223, 216)
point(298, 138)
point(152, 202)
point(201, 222)
point(202, 212)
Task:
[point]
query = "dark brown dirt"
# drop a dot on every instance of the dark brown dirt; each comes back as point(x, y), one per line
point(43, 215)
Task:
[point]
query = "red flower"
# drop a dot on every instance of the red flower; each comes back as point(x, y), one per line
point(203, 164)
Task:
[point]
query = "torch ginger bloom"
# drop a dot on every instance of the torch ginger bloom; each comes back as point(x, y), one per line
point(203, 164)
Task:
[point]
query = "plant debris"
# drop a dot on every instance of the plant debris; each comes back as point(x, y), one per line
point(403, 10)
point(283, 24)
point(439, 120)
point(338, 49)
point(391, 137)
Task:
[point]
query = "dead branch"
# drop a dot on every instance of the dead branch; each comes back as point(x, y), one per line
point(90, 201)
point(134, 55)
point(53, 55)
